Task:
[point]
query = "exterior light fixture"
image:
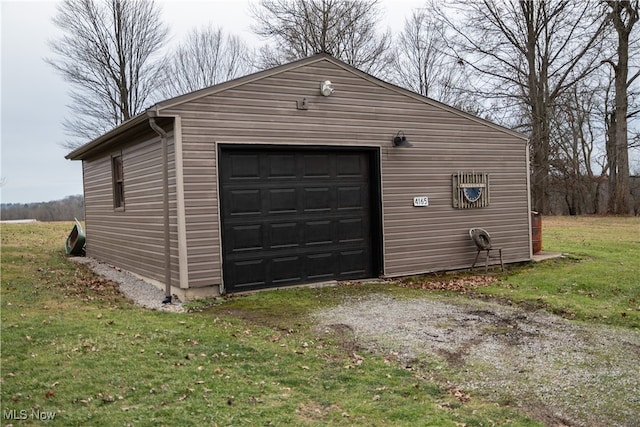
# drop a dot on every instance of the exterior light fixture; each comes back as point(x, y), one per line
point(325, 88)
point(401, 141)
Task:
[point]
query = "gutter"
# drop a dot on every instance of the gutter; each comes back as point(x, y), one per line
point(165, 208)
point(79, 152)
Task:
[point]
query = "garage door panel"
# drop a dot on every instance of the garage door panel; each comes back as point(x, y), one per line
point(284, 235)
point(318, 232)
point(248, 273)
point(351, 230)
point(281, 200)
point(350, 197)
point(246, 237)
point(286, 270)
point(353, 263)
point(317, 199)
point(281, 166)
point(316, 166)
point(294, 216)
point(321, 266)
point(243, 166)
point(244, 202)
point(349, 165)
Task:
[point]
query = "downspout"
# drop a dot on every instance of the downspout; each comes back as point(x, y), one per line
point(165, 208)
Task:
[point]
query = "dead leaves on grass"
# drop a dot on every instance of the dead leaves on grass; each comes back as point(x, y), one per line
point(436, 283)
point(83, 285)
point(458, 284)
point(459, 394)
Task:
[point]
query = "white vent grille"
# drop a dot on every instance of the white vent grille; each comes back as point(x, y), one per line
point(470, 190)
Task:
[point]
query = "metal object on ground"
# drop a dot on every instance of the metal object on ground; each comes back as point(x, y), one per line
point(482, 241)
point(76, 240)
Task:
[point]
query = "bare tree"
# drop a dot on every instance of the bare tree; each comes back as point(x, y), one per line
point(623, 16)
point(577, 175)
point(529, 52)
point(207, 57)
point(422, 62)
point(346, 29)
point(108, 54)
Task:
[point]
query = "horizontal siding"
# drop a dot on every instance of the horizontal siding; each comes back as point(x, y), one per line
point(436, 237)
point(132, 239)
point(361, 112)
point(201, 205)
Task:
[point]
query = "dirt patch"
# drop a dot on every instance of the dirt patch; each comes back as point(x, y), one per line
point(558, 371)
point(314, 411)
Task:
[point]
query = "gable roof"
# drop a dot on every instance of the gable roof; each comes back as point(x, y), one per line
point(156, 110)
point(319, 58)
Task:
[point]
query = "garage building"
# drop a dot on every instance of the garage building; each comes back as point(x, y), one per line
point(309, 172)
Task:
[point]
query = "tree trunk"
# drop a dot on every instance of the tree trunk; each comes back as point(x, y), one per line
point(540, 163)
point(618, 143)
point(611, 159)
point(622, 188)
point(539, 123)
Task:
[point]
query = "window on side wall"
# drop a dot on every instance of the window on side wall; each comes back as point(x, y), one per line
point(118, 181)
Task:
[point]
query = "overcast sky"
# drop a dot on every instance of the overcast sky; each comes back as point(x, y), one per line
point(34, 98)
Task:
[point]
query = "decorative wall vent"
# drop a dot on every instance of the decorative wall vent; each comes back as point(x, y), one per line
point(470, 190)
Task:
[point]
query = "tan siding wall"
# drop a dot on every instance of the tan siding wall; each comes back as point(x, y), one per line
point(361, 113)
point(201, 205)
point(436, 237)
point(132, 239)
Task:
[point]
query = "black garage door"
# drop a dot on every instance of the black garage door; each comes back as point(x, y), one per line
point(292, 216)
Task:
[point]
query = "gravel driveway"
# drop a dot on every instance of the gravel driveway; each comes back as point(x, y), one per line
point(560, 372)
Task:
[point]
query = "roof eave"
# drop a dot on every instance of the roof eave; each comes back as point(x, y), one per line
point(101, 141)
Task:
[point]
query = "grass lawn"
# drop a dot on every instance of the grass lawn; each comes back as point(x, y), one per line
point(74, 350)
point(598, 281)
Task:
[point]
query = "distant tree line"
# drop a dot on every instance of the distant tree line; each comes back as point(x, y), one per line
point(58, 210)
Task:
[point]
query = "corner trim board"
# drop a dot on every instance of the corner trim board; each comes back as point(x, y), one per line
point(183, 260)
